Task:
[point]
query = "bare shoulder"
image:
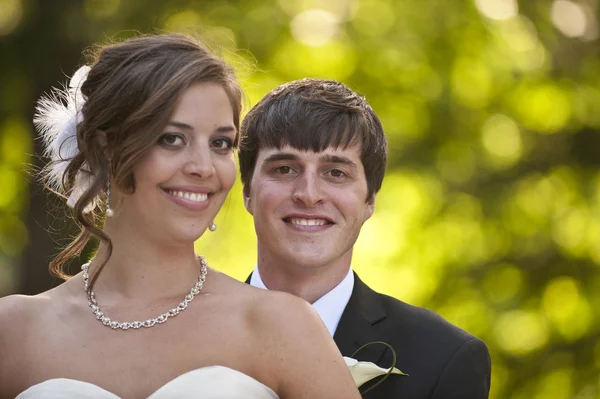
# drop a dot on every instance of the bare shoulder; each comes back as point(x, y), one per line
point(291, 347)
point(12, 309)
point(270, 315)
point(22, 330)
point(18, 313)
point(17, 318)
point(259, 301)
point(301, 352)
point(280, 311)
point(21, 313)
point(15, 309)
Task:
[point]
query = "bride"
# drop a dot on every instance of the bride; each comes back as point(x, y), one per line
point(144, 153)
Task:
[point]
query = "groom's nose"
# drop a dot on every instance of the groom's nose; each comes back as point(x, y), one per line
point(308, 189)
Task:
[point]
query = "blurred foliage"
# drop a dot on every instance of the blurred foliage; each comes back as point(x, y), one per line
point(490, 210)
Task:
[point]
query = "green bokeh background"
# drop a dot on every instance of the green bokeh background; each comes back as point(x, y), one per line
point(490, 210)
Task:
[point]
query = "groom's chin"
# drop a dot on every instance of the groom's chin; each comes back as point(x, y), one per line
point(309, 257)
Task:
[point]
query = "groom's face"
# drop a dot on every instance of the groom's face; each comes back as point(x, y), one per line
point(308, 207)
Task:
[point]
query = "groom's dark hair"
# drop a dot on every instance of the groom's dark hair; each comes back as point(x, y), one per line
point(314, 114)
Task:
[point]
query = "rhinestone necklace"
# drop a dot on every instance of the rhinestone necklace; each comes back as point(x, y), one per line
point(126, 325)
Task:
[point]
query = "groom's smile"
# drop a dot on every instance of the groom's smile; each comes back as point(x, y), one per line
point(308, 223)
point(308, 206)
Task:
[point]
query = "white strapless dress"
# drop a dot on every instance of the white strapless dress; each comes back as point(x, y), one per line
point(214, 382)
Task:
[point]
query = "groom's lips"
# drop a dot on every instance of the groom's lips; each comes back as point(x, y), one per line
point(308, 223)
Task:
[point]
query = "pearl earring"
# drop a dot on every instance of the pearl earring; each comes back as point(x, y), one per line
point(212, 226)
point(109, 210)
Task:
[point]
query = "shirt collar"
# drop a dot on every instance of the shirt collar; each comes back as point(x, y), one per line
point(330, 306)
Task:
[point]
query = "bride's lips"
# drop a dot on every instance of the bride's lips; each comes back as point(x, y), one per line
point(190, 197)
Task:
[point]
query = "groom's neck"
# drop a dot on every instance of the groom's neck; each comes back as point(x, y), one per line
point(309, 282)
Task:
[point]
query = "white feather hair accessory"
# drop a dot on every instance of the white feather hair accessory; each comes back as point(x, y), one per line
point(56, 119)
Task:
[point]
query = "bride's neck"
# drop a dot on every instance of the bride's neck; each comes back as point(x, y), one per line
point(139, 268)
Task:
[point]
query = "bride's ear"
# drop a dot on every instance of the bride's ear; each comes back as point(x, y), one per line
point(103, 142)
point(101, 138)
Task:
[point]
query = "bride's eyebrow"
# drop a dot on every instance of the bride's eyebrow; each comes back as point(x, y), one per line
point(226, 129)
point(220, 129)
point(180, 125)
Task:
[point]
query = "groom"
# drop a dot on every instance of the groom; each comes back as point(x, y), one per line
point(312, 159)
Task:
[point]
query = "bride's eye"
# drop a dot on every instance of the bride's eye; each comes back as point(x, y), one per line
point(171, 140)
point(222, 144)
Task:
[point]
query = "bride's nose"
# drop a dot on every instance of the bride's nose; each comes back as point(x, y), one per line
point(199, 163)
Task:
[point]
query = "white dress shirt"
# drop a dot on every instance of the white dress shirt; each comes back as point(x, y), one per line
point(330, 306)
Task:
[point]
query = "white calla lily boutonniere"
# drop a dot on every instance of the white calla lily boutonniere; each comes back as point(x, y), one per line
point(363, 372)
point(366, 371)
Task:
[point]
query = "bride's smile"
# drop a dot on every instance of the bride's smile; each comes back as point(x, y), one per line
point(181, 183)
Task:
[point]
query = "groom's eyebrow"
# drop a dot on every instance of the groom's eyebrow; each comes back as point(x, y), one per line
point(338, 159)
point(282, 156)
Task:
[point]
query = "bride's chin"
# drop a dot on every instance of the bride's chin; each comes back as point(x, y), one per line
point(190, 234)
point(182, 235)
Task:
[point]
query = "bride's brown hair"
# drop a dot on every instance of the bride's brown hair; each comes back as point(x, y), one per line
point(130, 93)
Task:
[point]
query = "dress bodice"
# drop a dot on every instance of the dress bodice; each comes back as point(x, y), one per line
point(214, 382)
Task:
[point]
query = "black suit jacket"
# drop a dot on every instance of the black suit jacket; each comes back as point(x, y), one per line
point(441, 360)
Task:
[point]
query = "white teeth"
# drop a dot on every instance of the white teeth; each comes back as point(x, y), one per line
point(308, 222)
point(195, 197)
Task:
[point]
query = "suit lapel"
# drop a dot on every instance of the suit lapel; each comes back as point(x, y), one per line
point(362, 322)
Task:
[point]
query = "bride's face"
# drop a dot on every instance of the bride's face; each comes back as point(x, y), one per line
point(181, 183)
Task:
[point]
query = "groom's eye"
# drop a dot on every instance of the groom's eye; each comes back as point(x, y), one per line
point(283, 170)
point(337, 173)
